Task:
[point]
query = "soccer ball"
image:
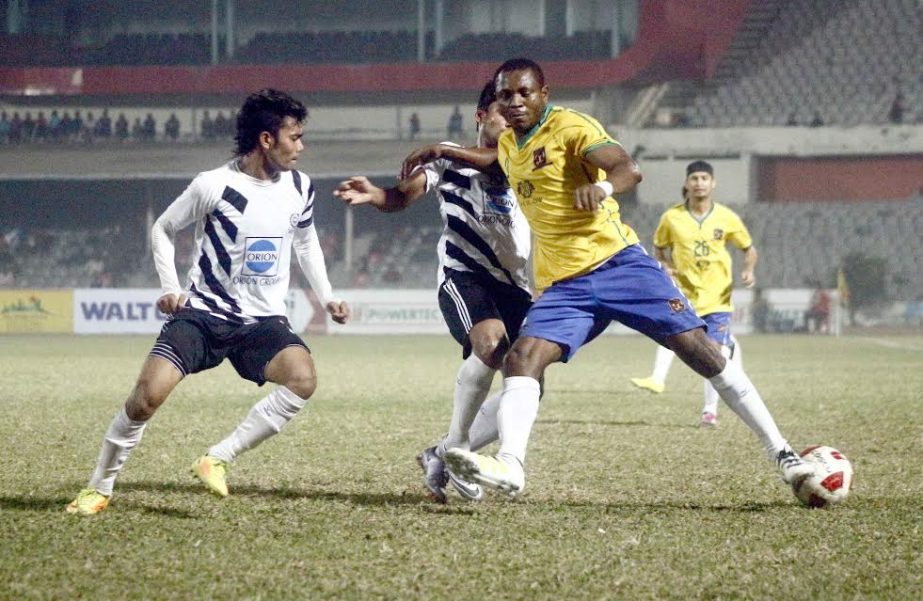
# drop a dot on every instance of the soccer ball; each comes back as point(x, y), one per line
point(831, 480)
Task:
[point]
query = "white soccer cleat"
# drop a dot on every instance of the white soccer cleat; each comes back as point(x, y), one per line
point(492, 472)
point(468, 490)
point(792, 468)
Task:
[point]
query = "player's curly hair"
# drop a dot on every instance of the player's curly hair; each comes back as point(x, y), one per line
point(488, 95)
point(264, 110)
point(518, 64)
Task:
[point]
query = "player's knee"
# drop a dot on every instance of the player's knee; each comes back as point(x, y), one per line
point(144, 399)
point(491, 349)
point(520, 362)
point(302, 384)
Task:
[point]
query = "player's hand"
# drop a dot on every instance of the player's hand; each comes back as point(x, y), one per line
point(338, 310)
point(420, 156)
point(747, 278)
point(588, 198)
point(171, 303)
point(356, 190)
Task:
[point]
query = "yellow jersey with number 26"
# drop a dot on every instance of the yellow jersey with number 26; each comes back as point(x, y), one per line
point(544, 168)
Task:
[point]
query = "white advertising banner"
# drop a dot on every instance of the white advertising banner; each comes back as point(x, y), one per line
point(117, 311)
point(391, 312)
point(133, 310)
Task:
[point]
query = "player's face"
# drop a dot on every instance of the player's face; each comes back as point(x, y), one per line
point(491, 123)
point(522, 100)
point(700, 184)
point(285, 148)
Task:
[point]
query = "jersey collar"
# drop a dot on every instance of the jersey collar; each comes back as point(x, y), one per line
point(711, 210)
point(525, 139)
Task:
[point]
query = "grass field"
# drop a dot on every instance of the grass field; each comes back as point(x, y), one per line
point(626, 498)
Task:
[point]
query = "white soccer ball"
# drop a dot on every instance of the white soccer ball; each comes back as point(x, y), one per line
point(831, 481)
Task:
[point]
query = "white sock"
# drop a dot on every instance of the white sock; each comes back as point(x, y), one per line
point(483, 429)
point(265, 419)
point(123, 435)
point(471, 387)
point(517, 412)
point(741, 396)
point(711, 395)
point(662, 361)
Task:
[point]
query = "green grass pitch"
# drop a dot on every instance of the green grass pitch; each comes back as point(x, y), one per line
point(625, 497)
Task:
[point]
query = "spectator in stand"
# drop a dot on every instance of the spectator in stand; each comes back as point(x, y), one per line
point(220, 126)
point(66, 126)
point(898, 106)
point(817, 121)
point(121, 128)
point(150, 128)
point(103, 128)
point(792, 120)
point(5, 127)
point(54, 125)
point(28, 128)
point(137, 130)
point(455, 124)
point(817, 317)
point(41, 132)
point(171, 128)
point(414, 126)
point(207, 128)
point(89, 127)
point(76, 127)
point(15, 128)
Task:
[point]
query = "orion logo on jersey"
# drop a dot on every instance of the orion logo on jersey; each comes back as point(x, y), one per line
point(499, 200)
point(261, 257)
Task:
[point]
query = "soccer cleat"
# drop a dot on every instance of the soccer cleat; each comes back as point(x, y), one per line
point(792, 468)
point(212, 472)
point(490, 471)
point(468, 490)
point(709, 420)
point(434, 474)
point(88, 502)
point(648, 384)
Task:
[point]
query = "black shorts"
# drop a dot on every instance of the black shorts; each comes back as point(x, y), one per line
point(194, 341)
point(468, 298)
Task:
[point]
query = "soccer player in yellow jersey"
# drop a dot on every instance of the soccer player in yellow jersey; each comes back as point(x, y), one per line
point(591, 270)
point(691, 243)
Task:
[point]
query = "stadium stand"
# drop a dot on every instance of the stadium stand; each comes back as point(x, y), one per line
point(843, 61)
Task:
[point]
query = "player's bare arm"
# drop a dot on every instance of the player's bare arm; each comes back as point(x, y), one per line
point(359, 190)
point(747, 275)
point(622, 172)
point(483, 159)
point(171, 303)
point(665, 258)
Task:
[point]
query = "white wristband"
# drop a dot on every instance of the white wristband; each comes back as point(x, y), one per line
point(605, 186)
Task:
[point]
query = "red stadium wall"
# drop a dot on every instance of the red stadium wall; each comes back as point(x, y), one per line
point(840, 178)
point(676, 39)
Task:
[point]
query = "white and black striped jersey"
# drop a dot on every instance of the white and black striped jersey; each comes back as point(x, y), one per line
point(485, 232)
point(245, 233)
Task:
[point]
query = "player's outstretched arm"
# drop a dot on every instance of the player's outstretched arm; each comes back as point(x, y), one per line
point(359, 190)
point(622, 174)
point(483, 159)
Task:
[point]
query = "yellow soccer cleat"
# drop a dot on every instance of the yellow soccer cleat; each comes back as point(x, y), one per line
point(648, 384)
point(88, 502)
point(212, 472)
point(492, 472)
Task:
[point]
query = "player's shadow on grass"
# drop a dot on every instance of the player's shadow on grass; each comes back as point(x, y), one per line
point(31, 503)
point(282, 493)
point(632, 507)
point(615, 424)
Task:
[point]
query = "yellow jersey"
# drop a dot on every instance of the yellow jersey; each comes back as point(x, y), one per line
point(698, 247)
point(544, 168)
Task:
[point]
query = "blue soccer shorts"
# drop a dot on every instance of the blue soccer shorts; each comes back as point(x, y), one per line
point(631, 288)
point(719, 327)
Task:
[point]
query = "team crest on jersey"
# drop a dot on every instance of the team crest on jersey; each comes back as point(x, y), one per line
point(524, 189)
point(676, 305)
point(261, 257)
point(538, 158)
point(719, 233)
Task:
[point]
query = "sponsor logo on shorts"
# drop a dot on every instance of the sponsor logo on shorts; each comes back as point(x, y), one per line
point(676, 305)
